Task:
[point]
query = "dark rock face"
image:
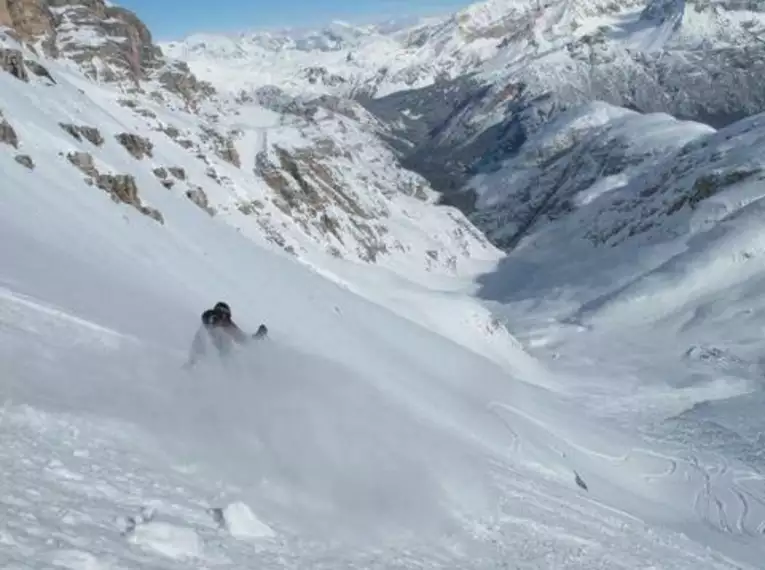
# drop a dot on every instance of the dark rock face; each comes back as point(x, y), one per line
point(440, 131)
point(12, 61)
point(138, 146)
point(80, 132)
point(25, 160)
point(8, 134)
point(198, 196)
point(223, 146)
point(29, 19)
point(121, 187)
point(125, 53)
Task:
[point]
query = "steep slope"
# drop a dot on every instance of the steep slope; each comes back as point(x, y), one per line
point(577, 157)
point(295, 173)
point(352, 437)
point(632, 188)
point(654, 274)
point(384, 424)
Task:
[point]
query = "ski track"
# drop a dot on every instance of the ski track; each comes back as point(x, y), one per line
point(26, 314)
point(718, 502)
point(72, 485)
point(90, 481)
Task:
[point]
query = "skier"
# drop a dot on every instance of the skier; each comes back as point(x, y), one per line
point(221, 331)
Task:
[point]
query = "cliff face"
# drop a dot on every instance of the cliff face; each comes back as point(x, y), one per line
point(109, 43)
point(31, 21)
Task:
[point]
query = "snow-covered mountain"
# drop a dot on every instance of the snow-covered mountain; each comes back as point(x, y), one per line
point(460, 95)
point(588, 399)
point(538, 39)
point(288, 171)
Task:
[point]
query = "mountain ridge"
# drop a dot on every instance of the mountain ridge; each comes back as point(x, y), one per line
point(296, 175)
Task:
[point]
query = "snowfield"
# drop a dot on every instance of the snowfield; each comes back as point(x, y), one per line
point(351, 438)
point(566, 405)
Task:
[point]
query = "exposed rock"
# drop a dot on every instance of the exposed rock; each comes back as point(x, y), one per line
point(146, 113)
point(161, 174)
point(123, 188)
point(153, 213)
point(124, 49)
point(129, 103)
point(30, 20)
point(707, 185)
point(212, 174)
point(8, 134)
point(72, 130)
point(39, 70)
point(83, 161)
point(319, 74)
point(12, 61)
point(199, 197)
point(311, 193)
point(178, 172)
point(171, 131)
point(251, 207)
point(177, 78)
point(92, 134)
point(138, 146)
point(224, 146)
point(25, 160)
point(118, 45)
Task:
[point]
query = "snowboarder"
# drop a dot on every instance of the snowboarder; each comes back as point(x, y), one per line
point(220, 330)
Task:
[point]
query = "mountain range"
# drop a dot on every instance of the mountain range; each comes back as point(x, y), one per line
point(509, 259)
point(465, 96)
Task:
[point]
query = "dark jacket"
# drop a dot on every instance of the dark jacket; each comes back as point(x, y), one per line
point(216, 332)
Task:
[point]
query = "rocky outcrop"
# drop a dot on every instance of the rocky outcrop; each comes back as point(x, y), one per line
point(84, 162)
point(12, 61)
point(171, 131)
point(25, 160)
point(109, 43)
point(308, 190)
point(125, 50)
point(39, 70)
point(178, 172)
point(320, 75)
point(7, 133)
point(139, 147)
point(199, 197)
point(177, 78)
point(121, 187)
point(223, 146)
point(31, 20)
point(164, 179)
point(91, 134)
point(250, 207)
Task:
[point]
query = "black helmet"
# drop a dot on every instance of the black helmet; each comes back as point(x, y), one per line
point(223, 309)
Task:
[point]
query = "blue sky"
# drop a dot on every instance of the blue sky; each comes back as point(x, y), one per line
point(173, 19)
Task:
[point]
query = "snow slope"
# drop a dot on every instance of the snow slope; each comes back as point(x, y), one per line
point(353, 437)
point(570, 162)
point(391, 420)
point(649, 294)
